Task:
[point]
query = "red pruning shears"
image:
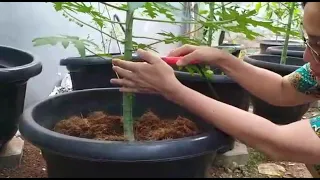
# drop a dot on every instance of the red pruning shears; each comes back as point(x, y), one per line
point(169, 60)
point(174, 60)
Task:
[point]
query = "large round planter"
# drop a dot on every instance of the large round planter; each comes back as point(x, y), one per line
point(293, 51)
point(95, 72)
point(264, 44)
point(276, 114)
point(16, 67)
point(68, 156)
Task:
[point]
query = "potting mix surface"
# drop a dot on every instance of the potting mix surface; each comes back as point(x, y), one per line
point(149, 127)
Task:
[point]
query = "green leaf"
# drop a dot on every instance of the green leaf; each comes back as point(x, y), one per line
point(203, 12)
point(58, 6)
point(80, 47)
point(150, 10)
point(65, 43)
point(79, 44)
point(258, 6)
point(135, 5)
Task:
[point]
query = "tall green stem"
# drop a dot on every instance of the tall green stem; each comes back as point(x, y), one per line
point(211, 14)
point(127, 97)
point(285, 48)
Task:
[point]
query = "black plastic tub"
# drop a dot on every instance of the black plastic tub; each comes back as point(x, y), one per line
point(67, 156)
point(293, 51)
point(90, 72)
point(265, 44)
point(277, 114)
point(16, 67)
point(96, 72)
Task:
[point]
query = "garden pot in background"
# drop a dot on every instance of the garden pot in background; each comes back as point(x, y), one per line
point(68, 156)
point(276, 114)
point(264, 44)
point(16, 67)
point(293, 51)
point(90, 72)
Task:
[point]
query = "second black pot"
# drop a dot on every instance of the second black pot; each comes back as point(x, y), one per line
point(293, 51)
point(16, 68)
point(277, 114)
point(265, 44)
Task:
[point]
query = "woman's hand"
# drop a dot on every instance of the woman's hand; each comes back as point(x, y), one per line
point(152, 76)
point(202, 54)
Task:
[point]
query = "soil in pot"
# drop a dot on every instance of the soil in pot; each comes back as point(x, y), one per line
point(277, 114)
point(149, 127)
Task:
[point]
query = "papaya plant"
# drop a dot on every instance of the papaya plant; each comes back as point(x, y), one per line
point(226, 17)
point(100, 22)
point(279, 13)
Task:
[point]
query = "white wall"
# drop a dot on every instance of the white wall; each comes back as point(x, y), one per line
point(20, 22)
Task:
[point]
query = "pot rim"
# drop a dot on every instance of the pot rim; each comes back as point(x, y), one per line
point(99, 150)
point(276, 66)
point(21, 72)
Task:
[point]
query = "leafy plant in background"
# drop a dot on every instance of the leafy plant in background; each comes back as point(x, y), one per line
point(279, 12)
point(292, 7)
point(226, 17)
point(238, 20)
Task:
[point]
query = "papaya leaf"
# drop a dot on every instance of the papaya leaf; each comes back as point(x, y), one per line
point(79, 44)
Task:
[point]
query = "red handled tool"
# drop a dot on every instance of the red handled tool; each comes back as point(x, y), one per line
point(173, 60)
point(169, 60)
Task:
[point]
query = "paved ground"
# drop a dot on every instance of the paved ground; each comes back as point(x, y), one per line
point(259, 160)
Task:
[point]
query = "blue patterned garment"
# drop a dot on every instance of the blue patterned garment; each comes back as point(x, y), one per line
point(304, 81)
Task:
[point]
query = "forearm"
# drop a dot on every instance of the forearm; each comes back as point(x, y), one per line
point(253, 130)
point(295, 142)
point(260, 82)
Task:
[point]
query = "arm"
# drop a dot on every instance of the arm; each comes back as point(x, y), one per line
point(265, 84)
point(294, 142)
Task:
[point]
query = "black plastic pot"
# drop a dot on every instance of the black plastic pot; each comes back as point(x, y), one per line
point(264, 44)
point(16, 67)
point(90, 72)
point(68, 156)
point(276, 114)
point(95, 72)
point(293, 51)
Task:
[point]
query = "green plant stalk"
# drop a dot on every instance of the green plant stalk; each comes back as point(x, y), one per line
point(127, 97)
point(211, 14)
point(286, 42)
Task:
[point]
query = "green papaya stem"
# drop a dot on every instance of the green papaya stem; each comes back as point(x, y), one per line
point(127, 97)
point(211, 14)
point(286, 42)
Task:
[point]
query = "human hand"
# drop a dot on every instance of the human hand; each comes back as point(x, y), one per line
point(202, 54)
point(152, 76)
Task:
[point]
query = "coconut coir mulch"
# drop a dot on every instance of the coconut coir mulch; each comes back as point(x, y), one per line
point(149, 127)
